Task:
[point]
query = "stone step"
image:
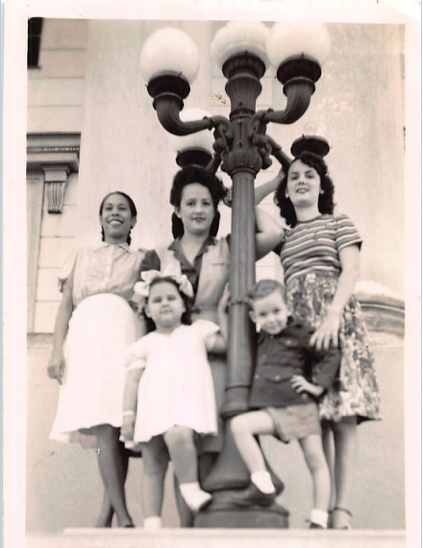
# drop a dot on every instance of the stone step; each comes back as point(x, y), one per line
point(218, 538)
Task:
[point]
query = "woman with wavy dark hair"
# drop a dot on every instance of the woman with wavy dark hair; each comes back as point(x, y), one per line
point(204, 259)
point(325, 203)
point(320, 257)
point(215, 187)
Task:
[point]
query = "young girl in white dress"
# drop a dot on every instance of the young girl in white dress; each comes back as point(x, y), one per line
point(169, 395)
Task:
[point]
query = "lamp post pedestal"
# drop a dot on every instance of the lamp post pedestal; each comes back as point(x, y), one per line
point(228, 475)
point(224, 515)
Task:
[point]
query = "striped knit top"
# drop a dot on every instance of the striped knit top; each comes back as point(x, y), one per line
point(315, 245)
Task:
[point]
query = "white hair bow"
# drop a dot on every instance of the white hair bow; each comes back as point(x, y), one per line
point(143, 288)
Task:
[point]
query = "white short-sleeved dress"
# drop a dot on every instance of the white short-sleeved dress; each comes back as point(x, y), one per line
point(176, 387)
point(102, 327)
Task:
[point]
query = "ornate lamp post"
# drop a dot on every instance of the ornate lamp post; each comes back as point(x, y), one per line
point(169, 63)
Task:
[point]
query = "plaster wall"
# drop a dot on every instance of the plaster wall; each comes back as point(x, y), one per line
point(57, 238)
point(55, 104)
point(56, 89)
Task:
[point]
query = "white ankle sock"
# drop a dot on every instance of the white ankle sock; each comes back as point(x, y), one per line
point(194, 496)
point(320, 517)
point(153, 523)
point(263, 481)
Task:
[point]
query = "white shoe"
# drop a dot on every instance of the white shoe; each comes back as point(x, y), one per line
point(195, 497)
point(153, 523)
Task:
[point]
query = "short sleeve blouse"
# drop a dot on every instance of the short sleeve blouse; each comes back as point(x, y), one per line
point(316, 244)
point(106, 268)
point(151, 260)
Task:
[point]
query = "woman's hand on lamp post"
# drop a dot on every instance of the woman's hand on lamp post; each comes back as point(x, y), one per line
point(227, 200)
point(267, 188)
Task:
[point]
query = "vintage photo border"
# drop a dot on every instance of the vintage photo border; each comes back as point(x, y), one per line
point(15, 14)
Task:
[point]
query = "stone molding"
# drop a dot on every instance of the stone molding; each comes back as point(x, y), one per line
point(383, 313)
point(56, 156)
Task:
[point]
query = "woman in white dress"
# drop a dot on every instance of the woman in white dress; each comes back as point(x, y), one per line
point(95, 325)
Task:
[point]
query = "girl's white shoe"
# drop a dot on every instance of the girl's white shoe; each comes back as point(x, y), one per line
point(194, 496)
point(153, 523)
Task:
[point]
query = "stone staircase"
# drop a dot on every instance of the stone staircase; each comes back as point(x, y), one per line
point(218, 538)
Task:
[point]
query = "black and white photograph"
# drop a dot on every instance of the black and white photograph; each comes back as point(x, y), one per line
point(211, 289)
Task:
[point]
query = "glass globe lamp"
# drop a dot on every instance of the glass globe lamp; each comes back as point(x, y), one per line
point(238, 37)
point(288, 40)
point(169, 50)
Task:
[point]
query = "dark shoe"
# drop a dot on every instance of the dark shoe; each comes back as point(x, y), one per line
point(342, 518)
point(330, 519)
point(315, 526)
point(251, 496)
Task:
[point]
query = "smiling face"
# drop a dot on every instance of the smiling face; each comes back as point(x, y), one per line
point(303, 185)
point(116, 219)
point(165, 306)
point(196, 210)
point(270, 313)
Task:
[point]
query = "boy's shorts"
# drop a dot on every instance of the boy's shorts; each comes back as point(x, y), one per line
point(295, 421)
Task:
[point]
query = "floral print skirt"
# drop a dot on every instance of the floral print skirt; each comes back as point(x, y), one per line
point(356, 391)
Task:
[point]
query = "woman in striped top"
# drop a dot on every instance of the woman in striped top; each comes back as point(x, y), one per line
point(320, 258)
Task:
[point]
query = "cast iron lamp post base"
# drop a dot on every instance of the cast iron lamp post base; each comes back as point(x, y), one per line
point(223, 514)
point(229, 475)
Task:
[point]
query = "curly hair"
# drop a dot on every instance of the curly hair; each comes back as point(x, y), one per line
point(263, 288)
point(325, 203)
point(187, 176)
point(131, 205)
point(186, 316)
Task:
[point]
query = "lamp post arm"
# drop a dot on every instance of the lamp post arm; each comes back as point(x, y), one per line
point(298, 91)
point(168, 107)
point(214, 164)
point(279, 154)
point(298, 100)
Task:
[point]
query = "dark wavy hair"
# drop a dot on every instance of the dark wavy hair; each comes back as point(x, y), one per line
point(325, 203)
point(187, 176)
point(132, 208)
point(186, 316)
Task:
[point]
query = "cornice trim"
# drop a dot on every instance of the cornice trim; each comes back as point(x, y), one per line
point(56, 156)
